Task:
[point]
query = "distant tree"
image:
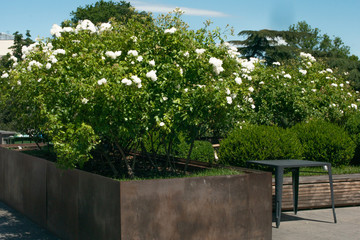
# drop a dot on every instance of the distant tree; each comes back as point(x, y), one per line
point(267, 44)
point(281, 46)
point(102, 11)
point(19, 42)
point(332, 51)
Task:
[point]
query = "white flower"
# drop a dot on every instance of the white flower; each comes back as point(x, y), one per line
point(200, 51)
point(139, 58)
point(341, 85)
point(152, 75)
point(85, 25)
point(216, 65)
point(251, 89)
point(238, 80)
point(59, 51)
point(84, 101)
point(152, 62)
point(287, 76)
point(228, 92)
point(307, 56)
point(5, 75)
point(229, 100)
point(56, 30)
point(253, 106)
point(261, 83)
point(134, 38)
point(102, 81)
point(68, 29)
point(34, 63)
point(334, 85)
point(347, 82)
point(133, 52)
point(303, 72)
point(354, 106)
point(13, 58)
point(171, 30)
point(39, 80)
point(126, 81)
point(112, 54)
point(52, 59)
point(349, 94)
point(314, 90)
point(136, 79)
point(164, 98)
point(186, 54)
point(276, 63)
point(186, 90)
point(162, 124)
point(329, 70)
point(105, 27)
point(48, 66)
point(19, 82)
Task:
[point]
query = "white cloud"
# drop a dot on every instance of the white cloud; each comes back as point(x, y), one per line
point(160, 8)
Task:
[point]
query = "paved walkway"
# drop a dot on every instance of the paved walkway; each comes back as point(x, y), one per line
point(319, 224)
point(13, 225)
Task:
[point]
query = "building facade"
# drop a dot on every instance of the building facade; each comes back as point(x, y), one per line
point(6, 41)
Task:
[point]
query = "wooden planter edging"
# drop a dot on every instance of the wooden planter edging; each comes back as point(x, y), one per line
point(75, 204)
point(314, 191)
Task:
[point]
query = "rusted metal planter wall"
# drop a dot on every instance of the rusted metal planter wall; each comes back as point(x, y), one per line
point(78, 205)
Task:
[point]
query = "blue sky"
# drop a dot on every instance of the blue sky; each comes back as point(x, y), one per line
point(335, 18)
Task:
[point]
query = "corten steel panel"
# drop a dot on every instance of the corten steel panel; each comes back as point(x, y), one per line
point(62, 201)
point(25, 185)
point(3, 156)
point(187, 208)
point(260, 206)
point(99, 207)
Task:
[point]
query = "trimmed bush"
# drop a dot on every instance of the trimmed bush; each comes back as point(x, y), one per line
point(202, 150)
point(352, 126)
point(325, 142)
point(256, 142)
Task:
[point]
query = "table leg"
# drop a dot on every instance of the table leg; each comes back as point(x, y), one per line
point(332, 191)
point(279, 171)
point(295, 183)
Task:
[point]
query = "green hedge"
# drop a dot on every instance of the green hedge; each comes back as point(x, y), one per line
point(256, 142)
point(326, 142)
point(202, 150)
point(352, 126)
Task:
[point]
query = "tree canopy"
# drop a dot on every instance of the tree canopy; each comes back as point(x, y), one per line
point(102, 11)
point(282, 46)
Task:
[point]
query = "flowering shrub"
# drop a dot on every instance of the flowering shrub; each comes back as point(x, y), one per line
point(115, 85)
point(292, 93)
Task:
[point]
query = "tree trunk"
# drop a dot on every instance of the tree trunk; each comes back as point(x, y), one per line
point(189, 154)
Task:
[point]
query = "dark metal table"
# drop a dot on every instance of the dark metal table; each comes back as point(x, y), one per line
point(294, 165)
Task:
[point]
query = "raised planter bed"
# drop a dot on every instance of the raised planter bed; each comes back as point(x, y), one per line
point(79, 205)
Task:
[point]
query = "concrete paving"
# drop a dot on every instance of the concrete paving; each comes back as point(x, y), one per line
point(14, 225)
point(319, 224)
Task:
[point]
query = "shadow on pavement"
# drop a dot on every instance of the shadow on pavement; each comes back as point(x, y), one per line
point(13, 225)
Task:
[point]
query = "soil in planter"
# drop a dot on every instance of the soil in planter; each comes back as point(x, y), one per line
point(158, 168)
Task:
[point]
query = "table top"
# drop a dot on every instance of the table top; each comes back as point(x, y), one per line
point(289, 163)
